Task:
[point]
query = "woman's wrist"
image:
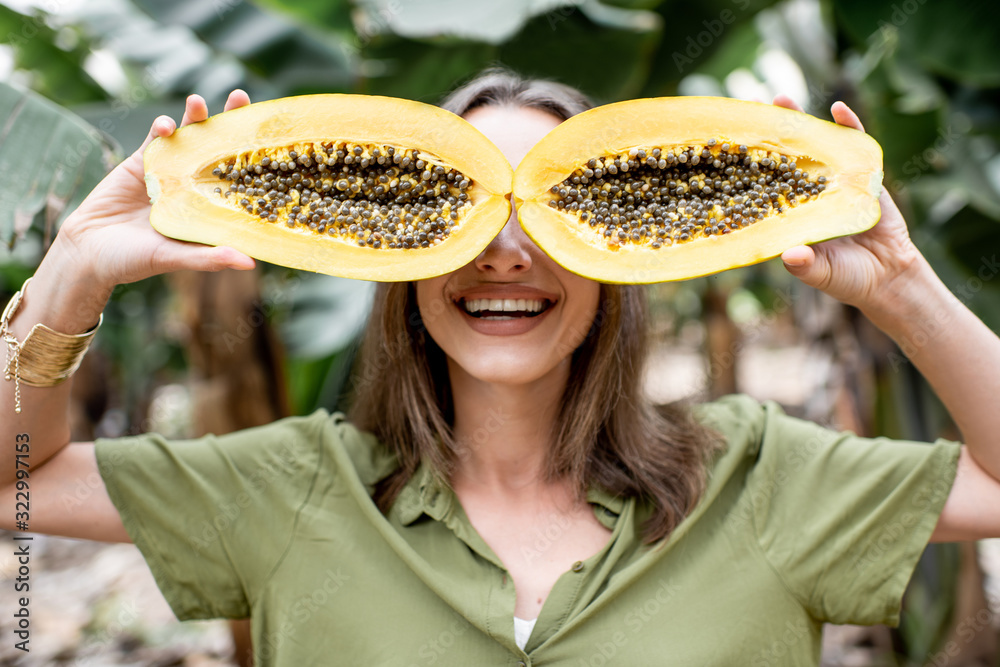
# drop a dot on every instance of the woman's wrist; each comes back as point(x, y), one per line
point(910, 305)
point(65, 295)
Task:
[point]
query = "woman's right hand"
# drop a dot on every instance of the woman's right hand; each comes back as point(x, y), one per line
point(109, 241)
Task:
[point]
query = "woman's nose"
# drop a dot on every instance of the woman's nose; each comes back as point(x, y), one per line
point(509, 252)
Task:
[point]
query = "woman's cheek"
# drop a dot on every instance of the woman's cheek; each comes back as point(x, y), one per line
point(583, 304)
point(431, 301)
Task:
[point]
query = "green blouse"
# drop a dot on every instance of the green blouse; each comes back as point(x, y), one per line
point(799, 525)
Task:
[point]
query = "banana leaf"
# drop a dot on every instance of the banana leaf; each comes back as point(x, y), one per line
point(50, 160)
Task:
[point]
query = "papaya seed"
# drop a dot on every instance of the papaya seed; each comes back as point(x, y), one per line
point(385, 196)
point(682, 193)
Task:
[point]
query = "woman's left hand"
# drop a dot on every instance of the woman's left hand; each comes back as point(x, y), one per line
point(859, 269)
point(881, 272)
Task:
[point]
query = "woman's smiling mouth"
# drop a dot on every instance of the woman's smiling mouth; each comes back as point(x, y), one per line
point(504, 309)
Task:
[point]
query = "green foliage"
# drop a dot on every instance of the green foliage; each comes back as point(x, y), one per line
point(610, 62)
point(334, 14)
point(55, 60)
point(487, 22)
point(420, 48)
point(49, 161)
point(320, 383)
point(738, 50)
point(693, 32)
point(419, 71)
point(938, 129)
point(320, 319)
point(324, 313)
point(286, 54)
point(941, 38)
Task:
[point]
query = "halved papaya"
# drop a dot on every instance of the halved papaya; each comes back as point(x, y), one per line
point(350, 185)
point(673, 188)
point(635, 192)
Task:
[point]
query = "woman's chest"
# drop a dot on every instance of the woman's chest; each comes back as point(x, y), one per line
point(430, 591)
point(452, 607)
point(536, 549)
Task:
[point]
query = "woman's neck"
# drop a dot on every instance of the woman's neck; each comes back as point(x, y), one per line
point(504, 432)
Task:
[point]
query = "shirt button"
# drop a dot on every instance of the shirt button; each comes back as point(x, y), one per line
point(578, 566)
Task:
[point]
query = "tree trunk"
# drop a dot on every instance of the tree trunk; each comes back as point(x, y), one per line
point(722, 342)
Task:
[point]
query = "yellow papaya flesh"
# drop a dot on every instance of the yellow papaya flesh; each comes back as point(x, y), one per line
point(635, 192)
point(350, 185)
point(674, 188)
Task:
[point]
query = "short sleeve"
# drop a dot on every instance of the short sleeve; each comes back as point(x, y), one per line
point(215, 515)
point(844, 519)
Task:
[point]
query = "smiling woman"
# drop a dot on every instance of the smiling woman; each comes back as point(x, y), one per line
point(590, 367)
point(504, 492)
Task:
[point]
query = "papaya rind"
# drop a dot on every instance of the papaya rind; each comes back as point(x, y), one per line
point(185, 208)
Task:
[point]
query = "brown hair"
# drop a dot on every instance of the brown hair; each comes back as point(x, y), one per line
point(607, 433)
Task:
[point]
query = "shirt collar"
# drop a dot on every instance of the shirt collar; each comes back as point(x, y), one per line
point(426, 493)
point(612, 504)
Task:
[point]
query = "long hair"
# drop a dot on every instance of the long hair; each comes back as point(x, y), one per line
point(607, 432)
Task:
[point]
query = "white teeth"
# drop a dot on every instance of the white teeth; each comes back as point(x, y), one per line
point(504, 305)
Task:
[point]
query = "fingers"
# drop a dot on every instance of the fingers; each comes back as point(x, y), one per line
point(805, 264)
point(782, 100)
point(195, 110)
point(179, 255)
point(843, 115)
point(227, 258)
point(798, 257)
point(237, 99)
point(888, 204)
point(163, 126)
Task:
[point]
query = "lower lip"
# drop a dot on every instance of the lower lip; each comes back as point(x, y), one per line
point(511, 327)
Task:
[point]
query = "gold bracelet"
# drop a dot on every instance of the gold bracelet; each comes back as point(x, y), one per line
point(45, 358)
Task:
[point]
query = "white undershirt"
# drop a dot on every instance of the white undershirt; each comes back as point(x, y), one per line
point(522, 631)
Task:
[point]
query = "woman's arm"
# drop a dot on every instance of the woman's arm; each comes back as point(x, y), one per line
point(107, 241)
point(883, 274)
point(67, 498)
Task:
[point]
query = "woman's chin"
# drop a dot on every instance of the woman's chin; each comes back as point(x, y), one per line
point(510, 369)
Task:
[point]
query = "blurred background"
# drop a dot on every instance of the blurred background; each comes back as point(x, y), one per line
point(80, 82)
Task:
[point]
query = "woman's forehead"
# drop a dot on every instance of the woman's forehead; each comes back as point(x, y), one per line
point(515, 130)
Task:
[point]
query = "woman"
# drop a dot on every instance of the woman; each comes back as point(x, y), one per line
point(502, 469)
